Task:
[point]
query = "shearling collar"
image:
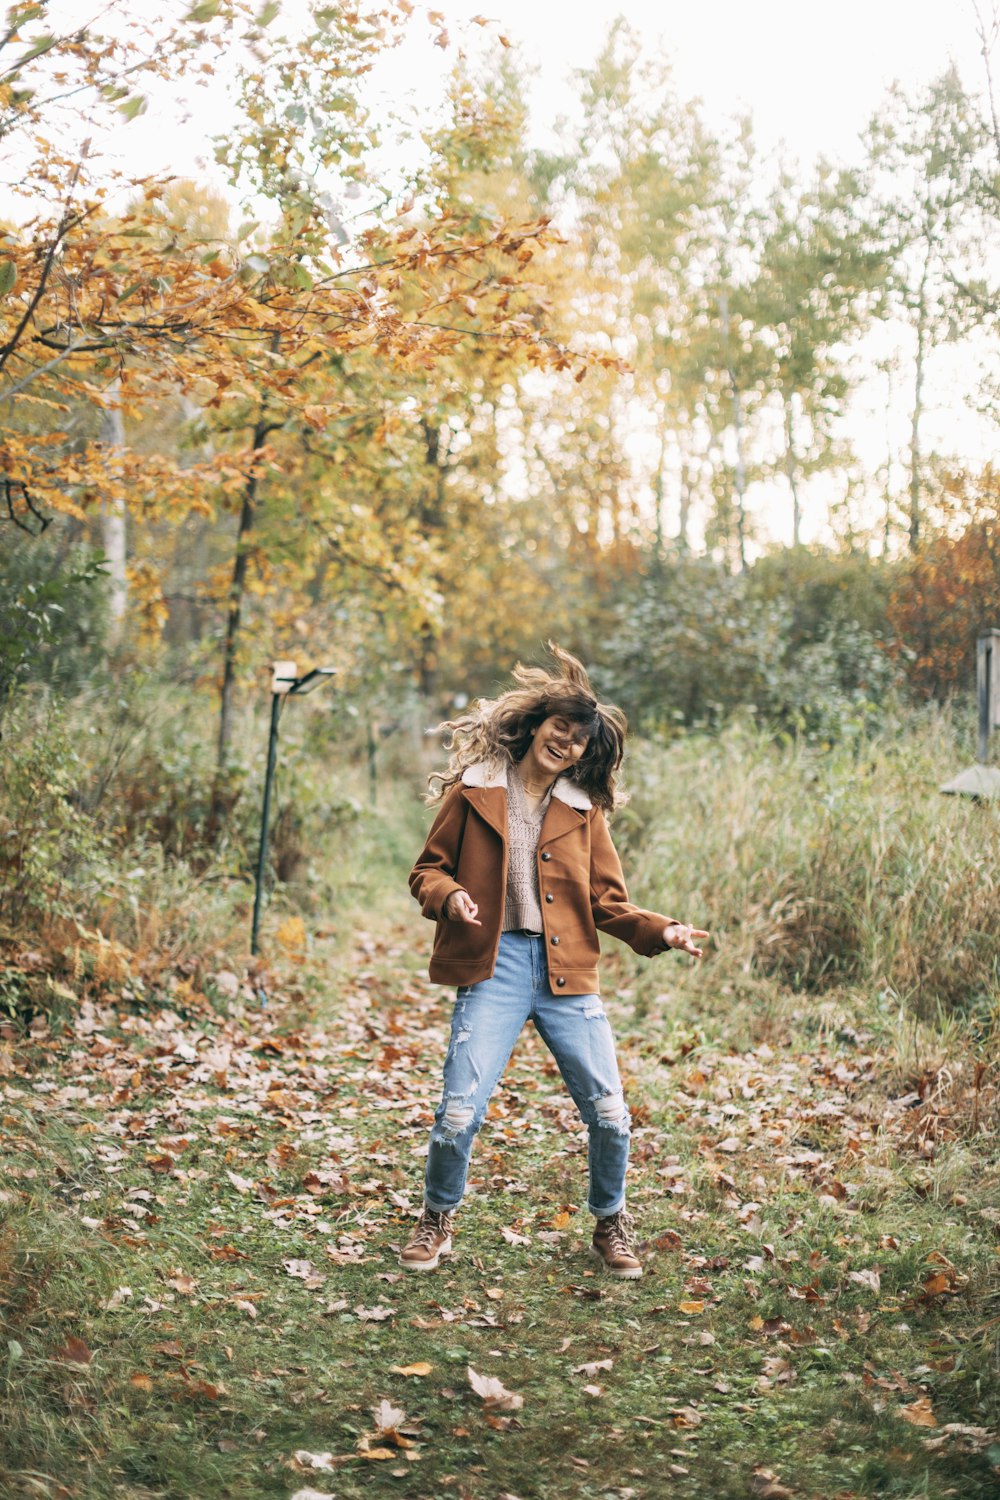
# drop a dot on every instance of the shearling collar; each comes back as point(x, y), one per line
point(486, 773)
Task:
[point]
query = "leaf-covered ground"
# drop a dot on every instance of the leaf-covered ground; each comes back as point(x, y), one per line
point(202, 1207)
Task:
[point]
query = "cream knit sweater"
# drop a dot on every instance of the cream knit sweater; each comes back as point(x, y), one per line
point(522, 906)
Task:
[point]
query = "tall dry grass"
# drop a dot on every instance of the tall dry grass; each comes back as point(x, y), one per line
point(821, 867)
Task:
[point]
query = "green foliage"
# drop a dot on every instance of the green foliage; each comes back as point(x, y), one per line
point(798, 642)
point(53, 612)
point(54, 858)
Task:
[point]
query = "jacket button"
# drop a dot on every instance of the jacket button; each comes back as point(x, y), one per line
point(546, 855)
point(555, 942)
point(560, 982)
point(549, 896)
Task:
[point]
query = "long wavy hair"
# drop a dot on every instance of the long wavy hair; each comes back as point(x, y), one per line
point(499, 730)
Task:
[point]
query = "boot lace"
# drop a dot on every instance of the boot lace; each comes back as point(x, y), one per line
point(621, 1233)
point(428, 1227)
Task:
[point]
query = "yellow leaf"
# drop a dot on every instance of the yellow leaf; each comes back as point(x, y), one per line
point(421, 1368)
point(291, 936)
point(690, 1307)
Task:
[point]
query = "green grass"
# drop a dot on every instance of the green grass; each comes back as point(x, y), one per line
point(789, 1366)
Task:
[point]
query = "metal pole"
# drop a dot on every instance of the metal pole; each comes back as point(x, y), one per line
point(272, 755)
point(984, 673)
point(372, 767)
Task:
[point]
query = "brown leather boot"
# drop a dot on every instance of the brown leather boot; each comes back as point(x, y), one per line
point(429, 1242)
point(614, 1246)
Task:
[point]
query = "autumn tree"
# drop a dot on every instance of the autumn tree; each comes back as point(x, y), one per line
point(922, 151)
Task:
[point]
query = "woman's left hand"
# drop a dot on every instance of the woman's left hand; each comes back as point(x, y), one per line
point(680, 935)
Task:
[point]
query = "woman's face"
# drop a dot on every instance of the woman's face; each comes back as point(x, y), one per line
point(557, 745)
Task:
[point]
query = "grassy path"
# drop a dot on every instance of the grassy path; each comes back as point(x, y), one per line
point(197, 1265)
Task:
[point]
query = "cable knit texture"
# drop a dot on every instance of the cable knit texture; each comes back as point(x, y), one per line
point(522, 907)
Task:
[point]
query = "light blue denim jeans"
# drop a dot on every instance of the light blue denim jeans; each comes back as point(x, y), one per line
point(486, 1023)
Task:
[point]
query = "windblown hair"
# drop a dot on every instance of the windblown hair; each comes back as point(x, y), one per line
point(499, 730)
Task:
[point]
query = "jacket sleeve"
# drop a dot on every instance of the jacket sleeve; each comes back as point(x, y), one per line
point(613, 911)
point(432, 878)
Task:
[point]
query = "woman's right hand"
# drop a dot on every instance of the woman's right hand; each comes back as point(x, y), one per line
point(460, 907)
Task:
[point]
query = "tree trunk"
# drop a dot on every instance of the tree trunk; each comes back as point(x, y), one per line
point(740, 471)
point(791, 468)
point(658, 489)
point(916, 476)
point(235, 612)
point(113, 537)
point(683, 540)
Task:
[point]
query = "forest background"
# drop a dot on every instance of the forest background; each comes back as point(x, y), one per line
point(408, 398)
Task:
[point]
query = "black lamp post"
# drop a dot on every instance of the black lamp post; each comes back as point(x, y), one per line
point(285, 683)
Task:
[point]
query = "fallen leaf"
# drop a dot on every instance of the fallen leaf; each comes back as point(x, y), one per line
point(594, 1367)
point(731, 1143)
point(421, 1368)
point(594, 1390)
point(870, 1278)
point(314, 1461)
point(241, 1184)
point(690, 1307)
point(304, 1270)
point(74, 1352)
point(373, 1314)
point(493, 1392)
point(141, 1382)
point(919, 1413)
point(186, 1285)
point(387, 1418)
point(765, 1485)
point(513, 1238)
point(686, 1416)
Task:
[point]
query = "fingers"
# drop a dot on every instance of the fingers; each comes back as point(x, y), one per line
point(680, 936)
point(464, 909)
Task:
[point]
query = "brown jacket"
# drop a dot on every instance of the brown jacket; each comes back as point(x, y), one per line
point(580, 884)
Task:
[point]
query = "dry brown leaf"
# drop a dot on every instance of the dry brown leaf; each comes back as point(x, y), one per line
point(513, 1238)
point(594, 1367)
point(493, 1392)
point(306, 1272)
point(186, 1285)
point(919, 1413)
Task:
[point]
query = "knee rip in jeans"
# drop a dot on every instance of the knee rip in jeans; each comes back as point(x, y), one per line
point(612, 1113)
point(458, 1116)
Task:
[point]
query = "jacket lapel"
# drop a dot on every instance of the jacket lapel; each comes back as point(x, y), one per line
point(490, 803)
point(560, 818)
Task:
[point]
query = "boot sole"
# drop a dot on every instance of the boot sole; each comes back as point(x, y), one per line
point(444, 1251)
point(629, 1274)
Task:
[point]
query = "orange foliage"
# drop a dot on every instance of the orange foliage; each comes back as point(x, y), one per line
point(949, 593)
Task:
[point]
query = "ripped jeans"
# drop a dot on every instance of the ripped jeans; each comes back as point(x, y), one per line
point(487, 1020)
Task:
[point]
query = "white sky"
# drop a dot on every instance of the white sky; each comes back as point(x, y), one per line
point(810, 75)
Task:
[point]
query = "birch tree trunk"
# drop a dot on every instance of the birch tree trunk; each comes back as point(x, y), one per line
point(113, 536)
point(791, 468)
point(916, 474)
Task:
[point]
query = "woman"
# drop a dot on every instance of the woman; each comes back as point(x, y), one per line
point(518, 873)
